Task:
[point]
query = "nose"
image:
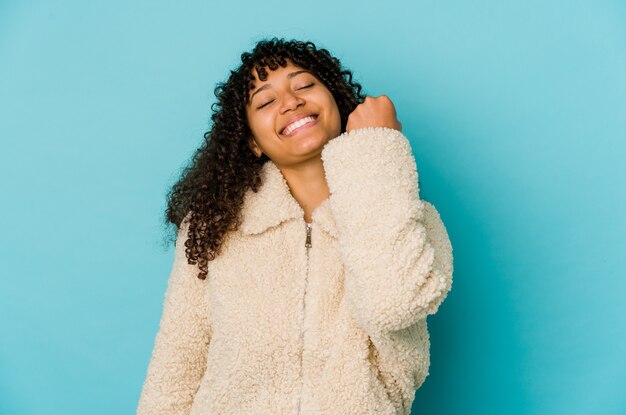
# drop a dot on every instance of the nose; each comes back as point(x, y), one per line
point(291, 101)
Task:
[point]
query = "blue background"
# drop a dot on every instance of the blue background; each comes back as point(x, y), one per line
point(516, 112)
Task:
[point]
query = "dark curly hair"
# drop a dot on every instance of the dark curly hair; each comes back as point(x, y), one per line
point(211, 188)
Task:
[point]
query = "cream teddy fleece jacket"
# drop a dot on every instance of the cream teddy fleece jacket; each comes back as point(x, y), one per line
point(326, 318)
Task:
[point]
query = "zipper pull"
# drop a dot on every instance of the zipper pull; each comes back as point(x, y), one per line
point(308, 235)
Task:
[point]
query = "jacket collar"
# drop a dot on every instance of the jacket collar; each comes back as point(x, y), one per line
point(274, 204)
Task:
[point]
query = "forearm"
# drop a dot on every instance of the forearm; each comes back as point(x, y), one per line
point(392, 276)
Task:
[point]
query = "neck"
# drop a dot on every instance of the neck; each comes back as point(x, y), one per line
point(307, 184)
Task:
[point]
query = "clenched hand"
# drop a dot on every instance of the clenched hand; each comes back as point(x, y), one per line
point(374, 112)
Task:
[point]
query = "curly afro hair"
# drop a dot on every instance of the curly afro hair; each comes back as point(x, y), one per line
point(211, 188)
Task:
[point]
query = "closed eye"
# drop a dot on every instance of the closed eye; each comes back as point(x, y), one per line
point(269, 102)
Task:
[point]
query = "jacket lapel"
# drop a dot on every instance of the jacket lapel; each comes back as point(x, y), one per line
point(274, 204)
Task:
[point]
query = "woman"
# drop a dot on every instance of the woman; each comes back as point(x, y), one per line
point(305, 262)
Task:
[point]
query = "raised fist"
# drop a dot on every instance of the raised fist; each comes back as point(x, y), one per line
point(374, 112)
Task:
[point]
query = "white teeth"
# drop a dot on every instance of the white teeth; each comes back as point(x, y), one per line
point(297, 124)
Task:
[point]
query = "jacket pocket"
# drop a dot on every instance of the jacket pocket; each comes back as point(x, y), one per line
point(386, 380)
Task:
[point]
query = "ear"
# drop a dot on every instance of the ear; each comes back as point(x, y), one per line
point(254, 147)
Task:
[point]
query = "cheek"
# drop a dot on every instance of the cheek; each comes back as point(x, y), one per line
point(261, 125)
point(334, 112)
point(334, 109)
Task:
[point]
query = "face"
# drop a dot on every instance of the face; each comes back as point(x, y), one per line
point(287, 95)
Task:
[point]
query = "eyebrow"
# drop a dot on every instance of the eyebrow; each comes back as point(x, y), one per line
point(289, 76)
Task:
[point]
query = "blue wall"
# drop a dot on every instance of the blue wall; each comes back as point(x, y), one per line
point(517, 116)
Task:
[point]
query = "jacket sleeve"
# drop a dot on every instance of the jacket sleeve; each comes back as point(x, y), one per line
point(403, 356)
point(396, 251)
point(178, 358)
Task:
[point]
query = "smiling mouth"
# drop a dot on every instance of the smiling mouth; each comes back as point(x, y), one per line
point(302, 127)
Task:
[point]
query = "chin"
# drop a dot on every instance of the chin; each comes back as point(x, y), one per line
point(313, 143)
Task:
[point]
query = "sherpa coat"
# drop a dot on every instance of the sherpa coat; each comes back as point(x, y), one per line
point(322, 319)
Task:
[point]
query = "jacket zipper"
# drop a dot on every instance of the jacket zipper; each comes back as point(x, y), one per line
point(307, 245)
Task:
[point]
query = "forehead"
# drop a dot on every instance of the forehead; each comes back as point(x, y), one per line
point(270, 76)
